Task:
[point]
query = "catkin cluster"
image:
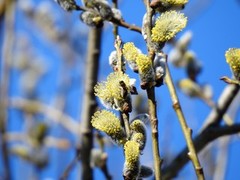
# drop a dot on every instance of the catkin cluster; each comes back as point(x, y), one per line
point(233, 59)
point(115, 92)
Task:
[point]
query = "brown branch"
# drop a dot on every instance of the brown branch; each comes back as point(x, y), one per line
point(124, 24)
point(216, 115)
point(89, 100)
point(115, 27)
point(152, 105)
point(8, 43)
point(118, 22)
point(154, 127)
point(229, 80)
point(201, 141)
point(69, 168)
point(210, 132)
point(186, 130)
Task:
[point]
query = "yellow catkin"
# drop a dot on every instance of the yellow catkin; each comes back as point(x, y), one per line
point(113, 85)
point(168, 25)
point(144, 63)
point(138, 126)
point(110, 89)
point(174, 2)
point(233, 59)
point(130, 52)
point(132, 152)
point(140, 139)
point(107, 122)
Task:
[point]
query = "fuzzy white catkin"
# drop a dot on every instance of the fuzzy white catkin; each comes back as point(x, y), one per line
point(112, 59)
point(160, 65)
point(117, 14)
point(67, 5)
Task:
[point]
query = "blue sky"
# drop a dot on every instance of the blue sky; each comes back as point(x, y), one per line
point(215, 27)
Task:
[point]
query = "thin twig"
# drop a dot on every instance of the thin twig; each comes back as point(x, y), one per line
point(209, 132)
point(115, 26)
point(118, 47)
point(106, 172)
point(227, 119)
point(154, 127)
point(69, 168)
point(186, 130)
point(230, 81)
point(124, 24)
point(200, 142)
point(89, 100)
point(216, 115)
point(117, 22)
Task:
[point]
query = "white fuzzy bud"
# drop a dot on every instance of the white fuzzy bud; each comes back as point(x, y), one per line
point(112, 59)
point(67, 5)
point(159, 68)
point(91, 19)
point(117, 13)
point(104, 10)
point(194, 66)
point(145, 171)
point(98, 158)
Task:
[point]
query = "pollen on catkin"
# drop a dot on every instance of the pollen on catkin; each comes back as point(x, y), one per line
point(138, 126)
point(144, 63)
point(145, 68)
point(140, 139)
point(168, 25)
point(233, 59)
point(174, 2)
point(113, 84)
point(130, 51)
point(139, 132)
point(110, 91)
point(132, 153)
point(107, 122)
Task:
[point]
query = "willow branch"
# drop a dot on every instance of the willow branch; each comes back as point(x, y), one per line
point(152, 101)
point(89, 101)
point(186, 130)
point(117, 22)
point(118, 47)
point(8, 42)
point(115, 27)
point(210, 132)
point(229, 80)
point(154, 126)
point(216, 115)
point(200, 142)
point(33, 106)
point(124, 24)
point(69, 168)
